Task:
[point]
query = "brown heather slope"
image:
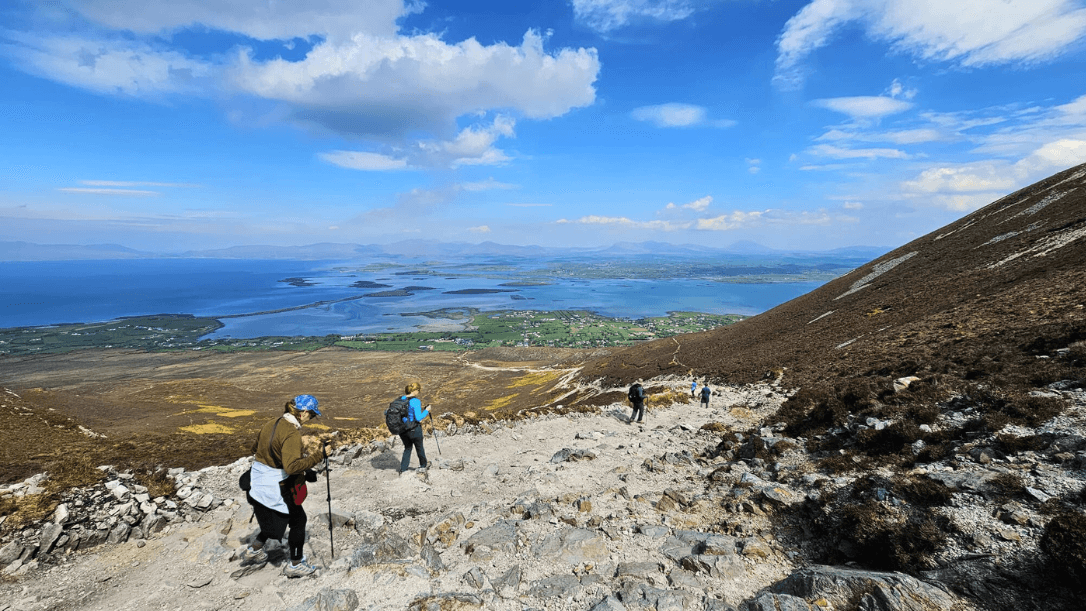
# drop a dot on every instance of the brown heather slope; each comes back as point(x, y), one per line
point(982, 297)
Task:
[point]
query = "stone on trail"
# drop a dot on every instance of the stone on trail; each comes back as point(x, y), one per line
point(49, 537)
point(502, 536)
point(446, 602)
point(573, 546)
point(875, 591)
point(328, 599)
point(609, 604)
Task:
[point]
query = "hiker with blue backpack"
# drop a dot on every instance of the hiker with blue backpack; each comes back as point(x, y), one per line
point(404, 418)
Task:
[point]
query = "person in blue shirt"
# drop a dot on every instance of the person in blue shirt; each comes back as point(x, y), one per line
point(412, 437)
point(694, 389)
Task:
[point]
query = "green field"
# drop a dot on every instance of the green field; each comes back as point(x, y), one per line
point(562, 328)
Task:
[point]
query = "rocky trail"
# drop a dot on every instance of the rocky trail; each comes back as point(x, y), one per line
point(582, 511)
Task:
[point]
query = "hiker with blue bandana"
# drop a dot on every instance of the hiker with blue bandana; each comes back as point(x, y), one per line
point(277, 484)
point(412, 437)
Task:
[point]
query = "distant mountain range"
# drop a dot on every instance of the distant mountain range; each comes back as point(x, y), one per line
point(27, 251)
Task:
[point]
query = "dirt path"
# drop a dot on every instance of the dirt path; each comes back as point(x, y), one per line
point(479, 477)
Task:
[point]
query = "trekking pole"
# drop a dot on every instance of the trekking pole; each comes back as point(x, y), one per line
point(435, 435)
point(328, 484)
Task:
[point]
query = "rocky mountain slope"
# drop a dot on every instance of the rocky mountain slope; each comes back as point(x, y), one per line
point(911, 436)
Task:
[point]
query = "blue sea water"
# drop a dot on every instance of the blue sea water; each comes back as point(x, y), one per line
point(54, 292)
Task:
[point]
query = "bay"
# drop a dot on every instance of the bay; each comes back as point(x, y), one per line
point(54, 292)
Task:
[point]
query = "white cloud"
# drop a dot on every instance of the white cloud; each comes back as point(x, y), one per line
point(864, 107)
point(360, 78)
point(836, 152)
point(964, 32)
point(970, 186)
point(754, 165)
point(852, 206)
point(725, 222)
point(608, 15)
point(678, 115)
point(698, 205)
point(479, 229)
point(472, 146)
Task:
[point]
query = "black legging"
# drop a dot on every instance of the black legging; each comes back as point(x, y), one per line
point(638, 411)
point(273, 524)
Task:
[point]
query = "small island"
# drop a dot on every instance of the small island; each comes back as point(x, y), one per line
point(478, 291)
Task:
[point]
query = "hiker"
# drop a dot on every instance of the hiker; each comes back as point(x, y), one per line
point(637, 398)
point(412, 437)
point(277, 487)
point(705, 393)
point(694, 389)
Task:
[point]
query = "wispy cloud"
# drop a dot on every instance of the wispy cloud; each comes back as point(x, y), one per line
point(608, 15)
point(472, 146)
point(479, 229)
point(678, 115)
point(104, 191)
point(864, 107)
point(968, 33)
point(836, 152)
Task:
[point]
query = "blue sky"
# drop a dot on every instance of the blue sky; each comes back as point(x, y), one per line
point(193, 124)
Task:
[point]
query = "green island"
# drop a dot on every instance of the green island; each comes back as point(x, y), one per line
point(173, 332)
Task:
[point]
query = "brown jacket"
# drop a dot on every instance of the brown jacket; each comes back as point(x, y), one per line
point(286, 448)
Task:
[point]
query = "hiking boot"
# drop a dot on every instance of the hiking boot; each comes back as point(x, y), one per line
point(254, 556)
point(302, 569)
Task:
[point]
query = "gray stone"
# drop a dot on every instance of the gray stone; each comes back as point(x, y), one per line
point(339, 518)
point(49, 537)
point(442, 602)
point(384, 547)
point(652, 572)
point(509, 583)
point(675, 600)
point(154, 524)
point(539, 510)
point(328, 599)
point(10, 553)
point(475, 578)
point(500, 536)
point(720, 567)
point(681, 578)
point(573, 546)
point(769, 601)
point(446, 530)
point(366, 522)
point(555, 587)
point(61, 515)
point(432, 558)
point(609, 604)
point(571, 455)
point(653, 530)
point(874, 591)
point(119, 533)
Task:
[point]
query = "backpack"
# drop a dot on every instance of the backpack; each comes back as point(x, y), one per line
point(399, 417)
point(637, 393)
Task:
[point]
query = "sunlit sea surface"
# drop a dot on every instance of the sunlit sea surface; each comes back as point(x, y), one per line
point(53, 292)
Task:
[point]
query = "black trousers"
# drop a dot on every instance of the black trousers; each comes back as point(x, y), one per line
point(412, 439)
point(638, 411)
point(273, 524)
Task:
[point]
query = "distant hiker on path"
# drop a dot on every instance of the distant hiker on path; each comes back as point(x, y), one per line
point(277, 488)
point(705, 394)
point(412, 437)
point(637, 398)
point(694, 389)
